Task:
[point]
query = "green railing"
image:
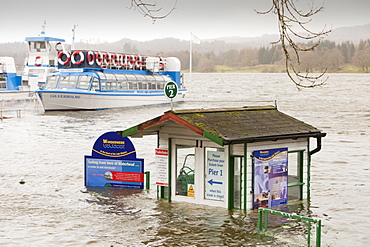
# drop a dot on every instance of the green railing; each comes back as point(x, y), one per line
point(147, 180)
point(309, 221)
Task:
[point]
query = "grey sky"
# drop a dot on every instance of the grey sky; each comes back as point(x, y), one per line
point(111, 20)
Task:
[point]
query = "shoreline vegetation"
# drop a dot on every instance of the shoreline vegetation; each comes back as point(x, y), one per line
point(269, 68)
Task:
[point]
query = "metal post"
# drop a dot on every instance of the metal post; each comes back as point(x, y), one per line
point(266, 221)
point(309, 233)
point(318, 234)
point(260, 220)
point(147, 179)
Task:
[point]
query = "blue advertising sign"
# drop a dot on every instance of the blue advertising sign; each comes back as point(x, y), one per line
point(270, 177)
point(113, 163)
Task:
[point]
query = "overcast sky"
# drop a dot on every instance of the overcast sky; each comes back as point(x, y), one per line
point(112, 20)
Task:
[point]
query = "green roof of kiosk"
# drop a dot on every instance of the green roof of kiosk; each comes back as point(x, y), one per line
point(231, 125)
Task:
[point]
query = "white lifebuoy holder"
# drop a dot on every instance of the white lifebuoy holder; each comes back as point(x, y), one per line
point(90, 57)
point(68, 58)
point(82, 57)
point(38, 61)
point(107, 58)
point(98, 58)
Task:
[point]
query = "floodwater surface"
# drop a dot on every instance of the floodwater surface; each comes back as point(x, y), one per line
point(53, 208)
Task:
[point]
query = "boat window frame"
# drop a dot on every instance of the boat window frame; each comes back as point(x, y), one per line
point(88, 84)
point(47, 83)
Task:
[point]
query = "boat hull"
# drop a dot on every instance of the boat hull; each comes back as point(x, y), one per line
point(59, 101)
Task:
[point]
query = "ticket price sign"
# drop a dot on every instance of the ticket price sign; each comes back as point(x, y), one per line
point(113, 163)
point(161, 160)
point(215, 176)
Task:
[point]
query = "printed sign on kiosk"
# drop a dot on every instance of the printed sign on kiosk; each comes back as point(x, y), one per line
point(270, 177)
point(113, 163)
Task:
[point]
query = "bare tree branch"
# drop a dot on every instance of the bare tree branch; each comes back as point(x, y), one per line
point(289, 18)
point(151, 10)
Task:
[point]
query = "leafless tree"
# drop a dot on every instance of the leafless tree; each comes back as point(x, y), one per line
point(289, 18)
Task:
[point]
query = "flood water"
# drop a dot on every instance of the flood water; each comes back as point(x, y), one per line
point(53, 208)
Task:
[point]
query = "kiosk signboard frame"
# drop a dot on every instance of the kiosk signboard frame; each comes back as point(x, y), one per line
point(113, 163)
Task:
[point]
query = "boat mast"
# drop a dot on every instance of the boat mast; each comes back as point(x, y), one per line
point(73, 37)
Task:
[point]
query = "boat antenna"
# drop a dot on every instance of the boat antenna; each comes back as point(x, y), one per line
point(43, 29)
point(73, 37)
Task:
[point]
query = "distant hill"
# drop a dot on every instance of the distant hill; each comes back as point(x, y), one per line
point(354, 34)
point(167, 45)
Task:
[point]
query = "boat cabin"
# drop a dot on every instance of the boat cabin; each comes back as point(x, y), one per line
point(42, 58)
point(236, 158)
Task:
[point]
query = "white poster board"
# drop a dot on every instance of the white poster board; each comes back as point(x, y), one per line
point(215, 176)
point(161, 160)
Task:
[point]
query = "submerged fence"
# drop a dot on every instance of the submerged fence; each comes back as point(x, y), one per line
point(264, 212)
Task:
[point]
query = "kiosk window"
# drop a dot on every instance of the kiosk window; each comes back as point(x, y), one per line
point(185, 170)
point(295, 175)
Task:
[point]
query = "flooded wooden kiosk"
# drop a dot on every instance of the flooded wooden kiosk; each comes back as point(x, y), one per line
point(236, 158)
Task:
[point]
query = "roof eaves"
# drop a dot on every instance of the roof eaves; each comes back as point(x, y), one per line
point(273, 138)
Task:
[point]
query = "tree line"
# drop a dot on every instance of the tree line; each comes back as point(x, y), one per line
point(327, 56)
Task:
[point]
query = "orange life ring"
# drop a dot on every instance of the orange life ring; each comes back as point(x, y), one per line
point(38, 61)
point(161, 63)
point(107, 58)
point(138, 62)
point(56, 47)
point(123, 61)
point(90, 57)
point(60, 61)
point(82, 57)
point(116, 60)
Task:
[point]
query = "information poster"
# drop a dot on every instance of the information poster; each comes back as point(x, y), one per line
point(161, 160)
point(270, 177)
point(113, 163)
point(215, 176)
point(115, 173)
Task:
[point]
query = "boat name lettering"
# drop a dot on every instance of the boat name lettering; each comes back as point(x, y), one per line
point(65, 96)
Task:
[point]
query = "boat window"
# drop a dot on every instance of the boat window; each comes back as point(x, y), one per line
point(51, 81)
point(68, 81)
point(152, 85)
point(122, 85)
point(142, 85)
point(2, 82)
point(160, 85)
point(95, 84)
point(112, 85)
point(131, 77)
point(37, 46)
point(83, 82)
point(149, 78)
point(132, 85)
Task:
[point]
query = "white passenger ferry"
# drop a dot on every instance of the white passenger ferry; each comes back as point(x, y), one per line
point(93, 80)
